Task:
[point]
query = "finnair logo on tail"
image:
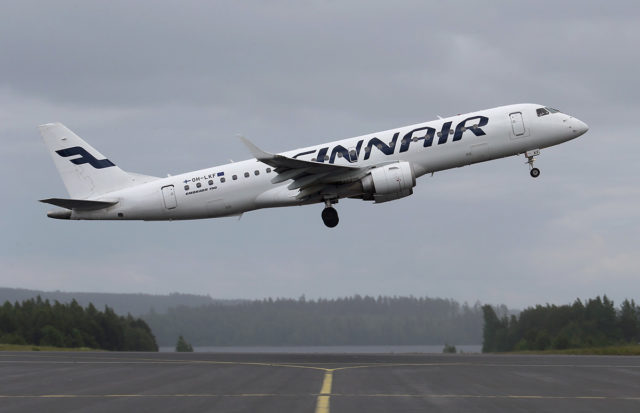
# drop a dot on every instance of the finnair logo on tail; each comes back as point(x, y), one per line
point(85, 157)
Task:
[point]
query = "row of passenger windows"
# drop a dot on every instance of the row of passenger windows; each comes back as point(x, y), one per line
point(223, 179)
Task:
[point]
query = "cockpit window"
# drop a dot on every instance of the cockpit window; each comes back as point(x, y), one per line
point(546, 110)
point(542, 112)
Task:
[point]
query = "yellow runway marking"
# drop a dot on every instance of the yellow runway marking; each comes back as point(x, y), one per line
point(313, 366)
point(322, 398)
point(486, 396)
point(151, 361)
point(322, 405)
point(107, 396)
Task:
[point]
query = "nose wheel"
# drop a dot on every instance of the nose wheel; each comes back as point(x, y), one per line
point(531, 157)
point(330, 215)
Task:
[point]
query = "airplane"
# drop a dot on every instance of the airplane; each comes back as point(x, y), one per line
point(378, 167)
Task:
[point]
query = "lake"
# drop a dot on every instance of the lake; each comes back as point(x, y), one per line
point(466, 348)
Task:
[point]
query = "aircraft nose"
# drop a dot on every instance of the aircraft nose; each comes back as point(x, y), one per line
point(579, 127)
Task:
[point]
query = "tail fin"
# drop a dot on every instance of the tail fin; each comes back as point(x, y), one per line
point(85, 171)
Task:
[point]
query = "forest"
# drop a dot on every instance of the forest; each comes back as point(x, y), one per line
point(38, 322)
point(594, 323)
point(355, 320)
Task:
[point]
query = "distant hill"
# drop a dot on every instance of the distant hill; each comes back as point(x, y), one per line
point(352, 320)
point(135, 304)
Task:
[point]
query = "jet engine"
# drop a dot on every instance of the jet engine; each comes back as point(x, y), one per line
point(389, 182)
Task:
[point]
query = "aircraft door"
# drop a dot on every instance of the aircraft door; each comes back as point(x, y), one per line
point(478, 152)
point(517, 124)
point(169, 196)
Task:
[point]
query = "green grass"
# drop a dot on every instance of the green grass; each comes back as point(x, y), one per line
point(28, 347)
point(625, 350)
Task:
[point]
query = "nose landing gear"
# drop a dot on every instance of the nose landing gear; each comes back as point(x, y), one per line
point(531, 155)
point(329, 214)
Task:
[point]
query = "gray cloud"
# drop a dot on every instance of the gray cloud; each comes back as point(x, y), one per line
point(163, 88)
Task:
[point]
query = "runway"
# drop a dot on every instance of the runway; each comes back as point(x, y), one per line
point(208, 382)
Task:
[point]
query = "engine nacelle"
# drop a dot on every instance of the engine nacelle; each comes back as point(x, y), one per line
point(389, 182)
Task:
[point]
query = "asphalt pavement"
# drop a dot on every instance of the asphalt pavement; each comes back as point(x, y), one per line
point(213, 382)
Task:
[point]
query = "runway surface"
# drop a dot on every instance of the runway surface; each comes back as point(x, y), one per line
point(199, 382)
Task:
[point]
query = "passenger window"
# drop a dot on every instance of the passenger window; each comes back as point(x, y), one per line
point(268, 170)
point(234, 177)
point(210, 182)
point(542, 112)
point(198, 185)
point(186, 187)
point(246, 174)
point(256, 172)
point(222, 180)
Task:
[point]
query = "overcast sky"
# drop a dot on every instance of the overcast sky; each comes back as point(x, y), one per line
point(163, 87)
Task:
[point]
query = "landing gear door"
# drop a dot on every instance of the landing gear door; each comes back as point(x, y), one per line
point(169, 197)
point(517, 126)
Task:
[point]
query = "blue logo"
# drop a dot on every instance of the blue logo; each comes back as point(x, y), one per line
point(473, 125)
point(85, 157)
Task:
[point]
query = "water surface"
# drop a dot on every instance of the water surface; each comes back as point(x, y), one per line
point(466, 348)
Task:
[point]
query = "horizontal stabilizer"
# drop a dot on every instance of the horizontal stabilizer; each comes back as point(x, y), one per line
point(79, 204)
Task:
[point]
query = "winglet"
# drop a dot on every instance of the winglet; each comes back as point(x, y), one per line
point(255, 151)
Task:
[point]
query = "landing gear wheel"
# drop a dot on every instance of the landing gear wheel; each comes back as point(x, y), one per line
point(330, 217)
point(531, 157)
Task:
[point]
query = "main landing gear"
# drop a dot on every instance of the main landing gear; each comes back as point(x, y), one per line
point(531, 155)
point(329, 213)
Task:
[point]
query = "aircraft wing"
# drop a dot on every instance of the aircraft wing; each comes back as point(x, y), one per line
point(309, 177)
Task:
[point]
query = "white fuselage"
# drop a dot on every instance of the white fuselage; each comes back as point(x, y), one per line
point(238, 187)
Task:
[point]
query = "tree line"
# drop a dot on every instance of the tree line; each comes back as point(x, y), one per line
point(38, 322)
point(594, 323)
point(353, 320)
